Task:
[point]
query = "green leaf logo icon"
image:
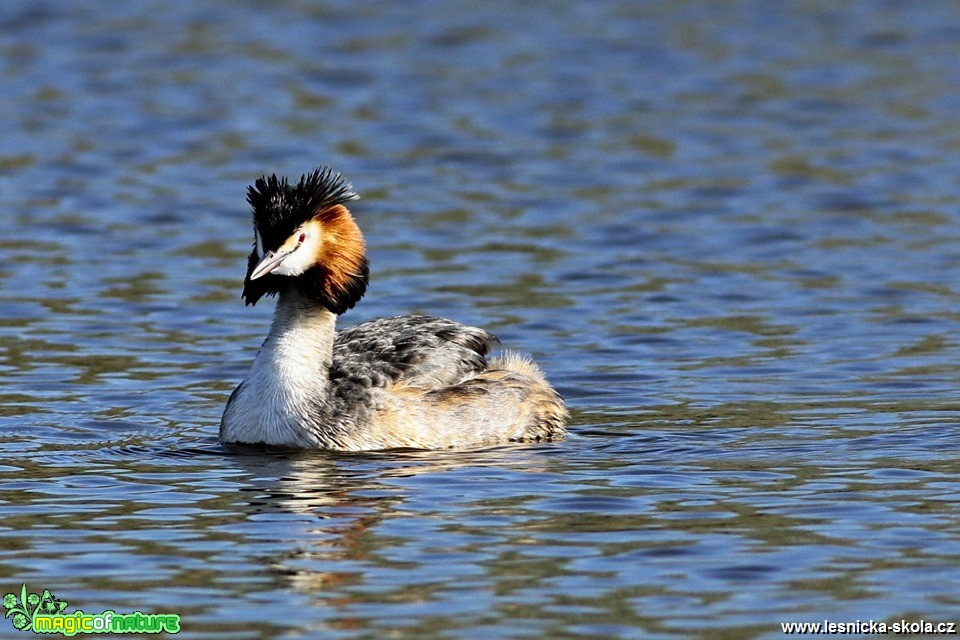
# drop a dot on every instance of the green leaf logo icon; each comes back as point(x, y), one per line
point(27, 606)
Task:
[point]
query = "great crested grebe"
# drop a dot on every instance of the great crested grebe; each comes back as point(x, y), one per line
point(407, 381)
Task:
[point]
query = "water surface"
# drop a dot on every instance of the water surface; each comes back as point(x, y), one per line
point(728, 233)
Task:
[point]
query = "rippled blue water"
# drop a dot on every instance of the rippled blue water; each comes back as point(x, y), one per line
point(728, 231)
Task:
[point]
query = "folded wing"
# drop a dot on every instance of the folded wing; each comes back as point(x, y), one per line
point(416, 351)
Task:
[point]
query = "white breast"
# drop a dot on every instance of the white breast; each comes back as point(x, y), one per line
point(285, 385)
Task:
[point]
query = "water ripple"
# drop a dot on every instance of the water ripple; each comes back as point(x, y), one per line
point(727, 232)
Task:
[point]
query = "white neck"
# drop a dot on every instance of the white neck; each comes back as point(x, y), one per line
point(289, 381)
point(300, 342)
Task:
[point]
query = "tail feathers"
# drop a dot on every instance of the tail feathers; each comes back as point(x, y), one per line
point(513, 361)
point(547, 414)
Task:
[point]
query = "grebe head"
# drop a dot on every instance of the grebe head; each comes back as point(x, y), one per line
point(304, 236)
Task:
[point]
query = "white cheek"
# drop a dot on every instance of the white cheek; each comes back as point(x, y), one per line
point(295, 264)
point(300, 260)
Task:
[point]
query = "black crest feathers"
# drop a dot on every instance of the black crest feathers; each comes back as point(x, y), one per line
point(279, 208)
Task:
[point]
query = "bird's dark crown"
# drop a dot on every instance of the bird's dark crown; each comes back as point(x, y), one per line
point(279, 207)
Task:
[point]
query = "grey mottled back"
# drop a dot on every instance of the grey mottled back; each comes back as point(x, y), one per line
point(419, 351)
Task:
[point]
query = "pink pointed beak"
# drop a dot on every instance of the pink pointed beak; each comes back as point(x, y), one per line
point(269, 262)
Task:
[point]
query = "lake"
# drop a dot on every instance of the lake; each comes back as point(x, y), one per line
point(729, 232)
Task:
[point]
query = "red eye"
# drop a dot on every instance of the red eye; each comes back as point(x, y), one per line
point(303, 237)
